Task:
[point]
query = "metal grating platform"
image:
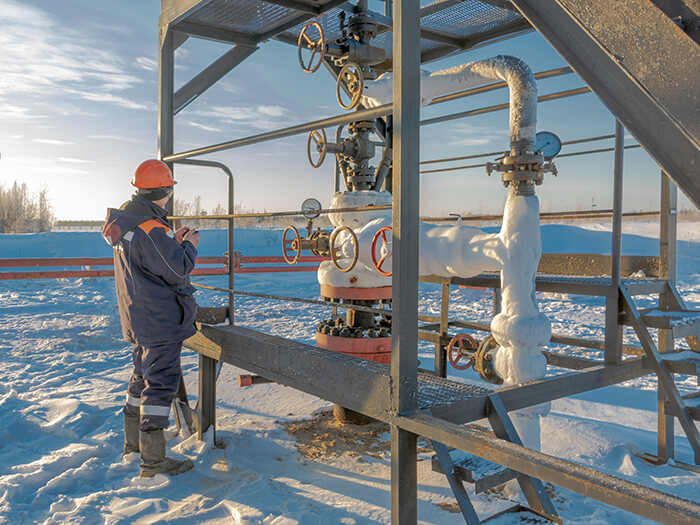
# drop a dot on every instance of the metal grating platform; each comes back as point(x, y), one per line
point(253, 21)
point(436, 391)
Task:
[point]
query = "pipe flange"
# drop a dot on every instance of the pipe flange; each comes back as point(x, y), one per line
point(483, 360)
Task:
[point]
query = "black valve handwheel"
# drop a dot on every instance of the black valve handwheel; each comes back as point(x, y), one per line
point(352, 78)
point(317, 46)
point(334, 252)
point(318, 138)
point(461, 347)
point(295, 245)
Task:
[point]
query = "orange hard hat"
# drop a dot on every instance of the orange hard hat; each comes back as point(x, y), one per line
point(152, 173)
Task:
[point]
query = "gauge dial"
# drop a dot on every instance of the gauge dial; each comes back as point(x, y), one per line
point(311, 208)
point(548, 143)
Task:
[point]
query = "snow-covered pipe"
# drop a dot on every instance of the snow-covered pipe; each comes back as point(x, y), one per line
point(516, 74)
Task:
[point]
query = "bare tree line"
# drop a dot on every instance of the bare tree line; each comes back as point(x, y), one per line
point(24, 212)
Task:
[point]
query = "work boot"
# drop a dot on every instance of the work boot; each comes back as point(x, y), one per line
point(153, 459)
point(131, 434)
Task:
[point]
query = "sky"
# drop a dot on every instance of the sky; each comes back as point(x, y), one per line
point(78, 113)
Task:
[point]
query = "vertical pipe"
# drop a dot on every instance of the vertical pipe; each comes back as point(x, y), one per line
point(404, 352)
point(440, 349)
point(617, 202)
point(231, 252)
point(613, 305)
point(667, 250)
point(166, 86)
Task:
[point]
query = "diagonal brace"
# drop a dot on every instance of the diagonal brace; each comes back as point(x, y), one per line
point(533, 488)
point(211, 75)
point(448, 467)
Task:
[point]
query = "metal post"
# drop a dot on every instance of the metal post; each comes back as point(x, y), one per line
point(207, 396)
point(440, 349)
point(667, 250)
point(404, 355)
point(665, 436)
point(613, 328)
point(166, 85)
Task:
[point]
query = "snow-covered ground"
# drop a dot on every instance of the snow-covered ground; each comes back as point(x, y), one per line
point(64, 371)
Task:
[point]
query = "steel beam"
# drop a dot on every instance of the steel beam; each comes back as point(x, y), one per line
point(648, 78)
point(667, 251)
point(173, 11)
point(613, 302)
point(218, 34)
point(405, 162)
point(350, 382)
point(623, 494)
point(532, 488)
point(211, 75)
point(166, 87)
point(207, 396)
point(543, 390)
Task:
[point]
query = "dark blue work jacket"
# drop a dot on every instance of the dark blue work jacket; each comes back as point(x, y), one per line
point(151, 272)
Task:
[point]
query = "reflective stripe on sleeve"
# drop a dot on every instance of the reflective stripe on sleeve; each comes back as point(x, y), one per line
point(155, 410)
point(133, 401)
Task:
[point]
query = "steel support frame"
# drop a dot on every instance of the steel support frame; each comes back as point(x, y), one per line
point(400, 387)
point(406, 205)
point(369, 391)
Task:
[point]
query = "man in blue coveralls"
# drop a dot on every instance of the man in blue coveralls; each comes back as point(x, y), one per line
point(152, 264)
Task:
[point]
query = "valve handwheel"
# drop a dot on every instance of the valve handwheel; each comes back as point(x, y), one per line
point(351, 76)
point(295, 245)
point(317, 137)
point(334, 252)
point(457, 350)
point(378, 264)
point(317, 46)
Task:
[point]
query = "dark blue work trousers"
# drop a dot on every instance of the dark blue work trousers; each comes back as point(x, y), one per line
point(153, 384)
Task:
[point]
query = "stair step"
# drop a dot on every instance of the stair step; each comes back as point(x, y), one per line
point(682, 323)
point(687, 363)
point(521, 514)
point(482, 473)
point(693, 405)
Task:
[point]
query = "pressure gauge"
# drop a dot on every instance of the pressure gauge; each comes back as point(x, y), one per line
point(311, 208)
point(548, 143)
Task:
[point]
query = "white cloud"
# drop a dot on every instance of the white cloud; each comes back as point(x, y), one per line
point(55, 142)
point(41, 58)
point(114, 137)
point(147, 63)
point(114, 99)
point(202, 126)
point(272, 111)
point(71, 160)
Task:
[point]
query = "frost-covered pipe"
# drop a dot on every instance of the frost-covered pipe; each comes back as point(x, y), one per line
point(516, 74)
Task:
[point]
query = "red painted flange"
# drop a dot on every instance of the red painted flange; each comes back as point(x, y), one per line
point(376, 349)
point(365, 294)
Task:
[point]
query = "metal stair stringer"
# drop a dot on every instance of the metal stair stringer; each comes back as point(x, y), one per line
point(641, 65)
point(665, 379)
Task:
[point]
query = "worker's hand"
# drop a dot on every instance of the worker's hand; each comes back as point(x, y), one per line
point(191, 236)
point(180, 233)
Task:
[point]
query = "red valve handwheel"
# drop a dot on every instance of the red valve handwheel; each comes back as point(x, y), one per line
point(314, 45)
point(334, 253)
point(455, 350)
point(378, 265)
point(295, 245)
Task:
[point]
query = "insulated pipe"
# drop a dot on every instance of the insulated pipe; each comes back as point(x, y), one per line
point(512, 70)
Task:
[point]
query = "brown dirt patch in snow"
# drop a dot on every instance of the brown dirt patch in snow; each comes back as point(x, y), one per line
point(324, 438)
